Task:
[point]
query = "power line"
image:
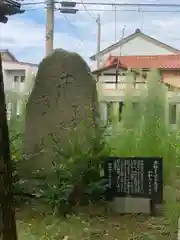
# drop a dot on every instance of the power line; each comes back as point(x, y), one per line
point(118, 10)
point(131, 4)
point(131, 10)
point(114, 4)
point(32, 3)
point(88, 11)
point(72, 28)
point(32, 9)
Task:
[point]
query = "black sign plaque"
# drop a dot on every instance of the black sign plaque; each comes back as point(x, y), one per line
point(134, 177)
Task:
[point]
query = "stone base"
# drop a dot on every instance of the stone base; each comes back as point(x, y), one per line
point(129, 205)
point(158, 210)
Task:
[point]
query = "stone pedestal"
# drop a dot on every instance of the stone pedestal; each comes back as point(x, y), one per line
point(129, 205)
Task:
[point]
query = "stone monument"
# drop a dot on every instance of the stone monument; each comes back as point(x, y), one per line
point(63, 98)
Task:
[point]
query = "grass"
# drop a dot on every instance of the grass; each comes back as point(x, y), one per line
point(149, 135)
point(90, 223)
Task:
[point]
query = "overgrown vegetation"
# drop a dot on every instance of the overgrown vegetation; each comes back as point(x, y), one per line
point(16, 131)
point(76, 174)
point(148, 133)
point(143, 131)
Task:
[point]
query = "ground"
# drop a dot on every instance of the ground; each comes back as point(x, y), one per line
point(89, 224)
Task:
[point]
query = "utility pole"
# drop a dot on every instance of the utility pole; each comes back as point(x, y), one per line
point(115, 21)
point(98, 40)
point(142, 21)
point(49, 27)
point(122, 37)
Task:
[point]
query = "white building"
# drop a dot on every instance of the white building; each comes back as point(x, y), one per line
point(111, 89)
point(18, 80)
point(137, 43)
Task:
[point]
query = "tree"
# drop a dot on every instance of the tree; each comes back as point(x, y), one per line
point(7, 216)
point(8, 231)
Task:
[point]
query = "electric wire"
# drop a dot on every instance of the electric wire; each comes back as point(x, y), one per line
point(114, 4)
point(105, 10)
point(72, 28)
point(33, 9)
point(168, 9)
point(88, 11)
point(132, 4)
point(118, 10)
point(32, 3)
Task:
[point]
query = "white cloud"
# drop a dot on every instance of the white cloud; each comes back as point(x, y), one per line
point(171, 23)
point(26, 37)
point(23, 34)
point(29, 34)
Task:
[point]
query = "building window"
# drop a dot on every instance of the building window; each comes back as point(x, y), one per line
point(172, 113)
point(22, 79)
point(16, 79)
point(144, 75)
point(16, 82)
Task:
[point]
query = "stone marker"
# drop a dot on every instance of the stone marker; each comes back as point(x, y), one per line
point(64, 95)
point(129, 205)
point(134, 184)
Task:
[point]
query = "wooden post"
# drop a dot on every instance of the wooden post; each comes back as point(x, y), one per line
point(49, 27)
point(7, 214)
point(98, 42)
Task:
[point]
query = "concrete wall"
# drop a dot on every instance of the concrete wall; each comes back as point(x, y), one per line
point(9, 76)
point(109, 92)
point(115, 108)
point(12, 69)
point(17, 92)
point(6, 57)
point(107, 84)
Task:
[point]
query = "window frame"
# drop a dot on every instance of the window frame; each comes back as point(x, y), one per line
point(15, 77)
point(172, 119)
point(22, 77)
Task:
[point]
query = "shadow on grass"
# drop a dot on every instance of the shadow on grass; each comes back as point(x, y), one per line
point(35, 221)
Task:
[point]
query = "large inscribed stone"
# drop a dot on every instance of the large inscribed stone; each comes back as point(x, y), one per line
point(63, 97)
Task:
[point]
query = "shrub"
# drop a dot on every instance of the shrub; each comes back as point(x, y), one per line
point(148, 134)
point(76, 174)
point(16, 131)
point(143, 131)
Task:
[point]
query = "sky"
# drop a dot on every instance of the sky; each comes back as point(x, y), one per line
point(24, 34)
